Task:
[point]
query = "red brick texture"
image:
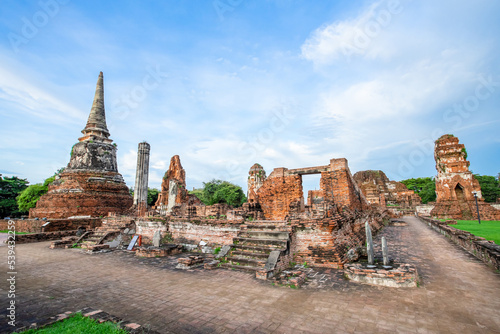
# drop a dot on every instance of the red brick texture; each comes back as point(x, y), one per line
point(83, 193)
point(455, 184)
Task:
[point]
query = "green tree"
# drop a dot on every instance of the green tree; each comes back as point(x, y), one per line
point(10, 188)
point(490, 187)
point(152, 196)
point(425, 187)
point(28, 197)
point(218, 191)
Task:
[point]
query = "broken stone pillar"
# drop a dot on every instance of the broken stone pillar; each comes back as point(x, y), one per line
point(384, 252)
point(141, 177)
point(369, 243)
point(157, 239)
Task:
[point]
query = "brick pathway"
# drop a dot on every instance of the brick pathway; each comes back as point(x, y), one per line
point(459, 294)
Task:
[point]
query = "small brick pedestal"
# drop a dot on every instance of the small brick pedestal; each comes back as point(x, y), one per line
point(401, 276)
point(158, 251)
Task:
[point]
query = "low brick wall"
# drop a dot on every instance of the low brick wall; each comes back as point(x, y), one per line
point(484, 250)
point(32, 225)
point(147, 229)
point(214, 232)
point(39, 237)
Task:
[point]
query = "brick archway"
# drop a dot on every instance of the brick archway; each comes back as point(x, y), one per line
point(459, 193)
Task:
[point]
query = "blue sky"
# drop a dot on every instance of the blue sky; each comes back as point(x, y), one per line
point(228, 83)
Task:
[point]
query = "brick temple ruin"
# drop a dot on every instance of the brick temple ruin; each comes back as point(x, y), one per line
point(456, 185)
point(90, 185)
point(384, 193)
point(275, 227)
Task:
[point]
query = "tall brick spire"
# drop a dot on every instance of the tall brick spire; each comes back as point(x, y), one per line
point(96, 128)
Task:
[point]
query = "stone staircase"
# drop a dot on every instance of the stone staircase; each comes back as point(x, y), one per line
point(254, 244)
point(93, 239)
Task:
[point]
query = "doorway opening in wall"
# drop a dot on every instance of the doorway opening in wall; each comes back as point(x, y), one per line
point(459, 193)
point(310, 182)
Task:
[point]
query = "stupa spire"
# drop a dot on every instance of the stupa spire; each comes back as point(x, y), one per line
point(96, 128)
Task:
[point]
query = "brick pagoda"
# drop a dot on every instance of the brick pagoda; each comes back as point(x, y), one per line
point(90, 185)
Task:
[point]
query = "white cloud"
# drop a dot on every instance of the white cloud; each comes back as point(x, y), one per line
point(349, 37)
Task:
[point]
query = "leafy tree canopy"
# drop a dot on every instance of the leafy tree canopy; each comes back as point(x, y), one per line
point(152, 196)
point(218, 191)
point(10, 188)
point(490, 187)
point(28, 197)
point(425, 187)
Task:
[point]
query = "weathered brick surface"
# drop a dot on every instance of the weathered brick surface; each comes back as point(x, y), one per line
point(173, 188)
point(401, 276)
point(325, 242)
point(379, 190)
point(455, 184)
point(213, 232)
point(278, 192)
point(32, 225)
point(39, 237)
point(83, 193)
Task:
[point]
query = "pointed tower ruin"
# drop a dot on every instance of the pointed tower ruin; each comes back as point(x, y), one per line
point(456, 185)
point(90, 185)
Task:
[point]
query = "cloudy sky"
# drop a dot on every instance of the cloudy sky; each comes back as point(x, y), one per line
point(227, 83)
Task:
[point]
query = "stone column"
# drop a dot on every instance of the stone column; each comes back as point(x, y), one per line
point(141, 177)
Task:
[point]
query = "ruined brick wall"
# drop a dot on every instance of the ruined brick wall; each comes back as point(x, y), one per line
point(36, 226)
point(40, 237)
point(83, 193)
point(173, 188)
point(379, 190)
point(339, 187)
point(277, 193)
point(455, 184)
point(148, 227)
point(325, 242)
point(214, 232)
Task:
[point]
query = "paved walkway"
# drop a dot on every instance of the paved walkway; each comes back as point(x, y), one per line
point(458, 294)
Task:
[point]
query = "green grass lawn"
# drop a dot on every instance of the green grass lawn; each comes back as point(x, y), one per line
point(7, 231)
point(488, 229)
point(78, 324)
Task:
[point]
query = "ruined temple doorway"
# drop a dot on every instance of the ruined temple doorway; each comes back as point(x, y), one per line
point(310, 182)
point(459, 193)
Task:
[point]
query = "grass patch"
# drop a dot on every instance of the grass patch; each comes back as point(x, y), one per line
point(7, 231)
point(489, 229)
point(78, 324)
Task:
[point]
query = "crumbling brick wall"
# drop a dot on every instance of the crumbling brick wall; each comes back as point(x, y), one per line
point(326, 242)
point(278, 192)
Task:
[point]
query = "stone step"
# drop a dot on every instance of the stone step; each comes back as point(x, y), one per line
point(250, 254)
point(267, 222)
point(242, 261)
point(244, 268)
point(261, 242)
point(267, 227)
point(265, 235)
point(259, 249)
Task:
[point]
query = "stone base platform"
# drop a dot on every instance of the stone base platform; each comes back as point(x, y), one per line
point(400, 276)
point(158, 251)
